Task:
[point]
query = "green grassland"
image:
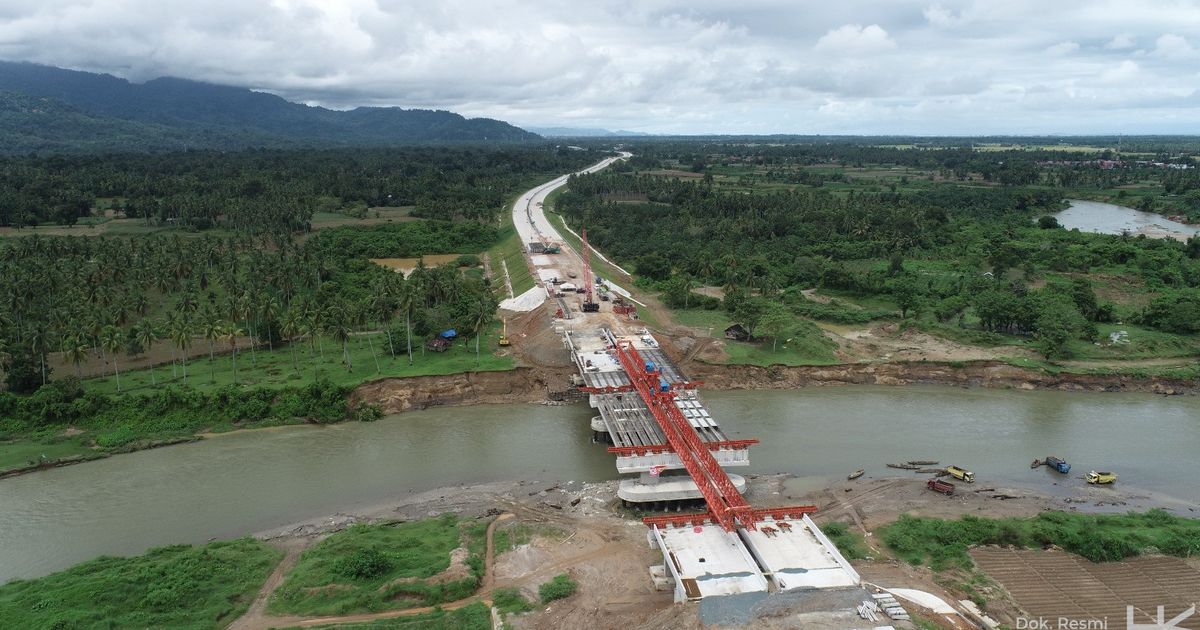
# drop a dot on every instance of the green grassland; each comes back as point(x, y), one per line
point(170, 587)
point(275, 368)
point(19, 453)
point(943, 544)
point(368, 568)
point(804, 345)
point(474, 616)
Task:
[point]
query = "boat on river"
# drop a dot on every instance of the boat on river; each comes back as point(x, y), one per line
point(855, 475)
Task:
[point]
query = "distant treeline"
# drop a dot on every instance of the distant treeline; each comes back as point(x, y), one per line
point(271, 191)
point(775, 243)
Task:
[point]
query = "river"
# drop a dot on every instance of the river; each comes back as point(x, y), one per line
point(241, 483)
point(1106, 218)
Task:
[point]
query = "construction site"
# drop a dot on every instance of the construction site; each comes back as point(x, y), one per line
point(671, 451)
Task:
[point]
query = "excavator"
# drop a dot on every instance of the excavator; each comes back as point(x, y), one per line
point(504, 335)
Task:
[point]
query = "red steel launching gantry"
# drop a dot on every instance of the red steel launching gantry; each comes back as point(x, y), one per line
point(726, 506)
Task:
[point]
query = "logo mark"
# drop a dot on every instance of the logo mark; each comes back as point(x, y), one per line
point(1160, 625)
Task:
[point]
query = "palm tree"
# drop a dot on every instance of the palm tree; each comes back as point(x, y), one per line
point(289, 328)
point(339, 328)
point(361, 315)
point(111, 340)
point(318, 322)
point(245, 310)
point(210, 328)
point(145, 335)
point(268, 311)
point(481, 311)
point(407, 303)
point(38, 339)
point(383, 308)
point(181, 333)
point(75, 350)
point(230, 333)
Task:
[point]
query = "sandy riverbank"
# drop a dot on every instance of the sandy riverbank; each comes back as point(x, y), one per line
point(587, 534)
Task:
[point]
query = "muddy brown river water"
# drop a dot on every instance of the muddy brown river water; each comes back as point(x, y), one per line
point(238, 484)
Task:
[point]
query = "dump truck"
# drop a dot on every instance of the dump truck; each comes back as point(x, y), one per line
point(937, 485)
point(1101, 477)
point(960, 473)
point(1058, 464)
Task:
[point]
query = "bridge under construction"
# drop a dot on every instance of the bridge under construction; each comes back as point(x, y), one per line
point(662, 432)
point(665, 439)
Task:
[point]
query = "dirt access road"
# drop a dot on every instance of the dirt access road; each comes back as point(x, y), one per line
point(256, 618)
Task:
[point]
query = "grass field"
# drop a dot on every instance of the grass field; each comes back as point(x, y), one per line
point(474, 616)
point(369, 568)
point(509, 537)
point(806, 345)
point(511, 251)
point(274, 368)
point(21, 453)
point(1098, 537)
point(169, 587)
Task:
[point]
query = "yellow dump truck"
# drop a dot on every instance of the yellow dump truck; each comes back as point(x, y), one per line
point(1101, 477)
point(961, 474)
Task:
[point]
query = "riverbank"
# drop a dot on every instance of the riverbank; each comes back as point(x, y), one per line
point(578, 528)
point(529, 385)
point(537, 385)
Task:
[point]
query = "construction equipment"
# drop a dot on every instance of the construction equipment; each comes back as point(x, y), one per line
point(937, 485)
point(1056, 463)
point(961, 474)
point(504, 334)
point(1101, 477)
point(589, 305)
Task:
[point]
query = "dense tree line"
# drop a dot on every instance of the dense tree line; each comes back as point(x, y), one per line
point(275, 191)
point(104, 296)
point(772, 244)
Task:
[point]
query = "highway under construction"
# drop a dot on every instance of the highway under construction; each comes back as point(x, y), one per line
point(672, 449)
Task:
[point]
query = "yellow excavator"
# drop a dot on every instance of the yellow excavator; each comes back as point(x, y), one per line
point(504, 335)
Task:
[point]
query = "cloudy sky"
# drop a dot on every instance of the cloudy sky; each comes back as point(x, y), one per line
point(700, 66)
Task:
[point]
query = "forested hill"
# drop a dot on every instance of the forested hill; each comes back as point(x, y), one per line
point(46, 108)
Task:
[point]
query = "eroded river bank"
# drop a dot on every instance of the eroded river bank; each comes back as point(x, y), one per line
point(253, 481)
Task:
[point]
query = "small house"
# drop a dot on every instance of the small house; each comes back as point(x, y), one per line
point(448, 334)
point(737, 332)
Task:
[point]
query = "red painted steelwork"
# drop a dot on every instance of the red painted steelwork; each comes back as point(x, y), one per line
point(655, 449)
point(696, 520)
point(725, 503)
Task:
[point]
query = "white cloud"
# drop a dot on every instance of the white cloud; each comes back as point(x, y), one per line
point(1062, 48)
point(1120, 42)
point(1124, 72)
point(1172, 46)
point(693, 66)
point(856, 39)
point(941, 17)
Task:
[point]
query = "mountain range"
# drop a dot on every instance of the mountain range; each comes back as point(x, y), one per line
point(48, 108)
point(584, 132)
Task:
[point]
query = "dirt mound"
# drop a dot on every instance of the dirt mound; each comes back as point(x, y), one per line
point(458, 570)
point(395, 395)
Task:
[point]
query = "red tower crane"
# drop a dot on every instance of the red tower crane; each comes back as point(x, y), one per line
point(589, 305)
